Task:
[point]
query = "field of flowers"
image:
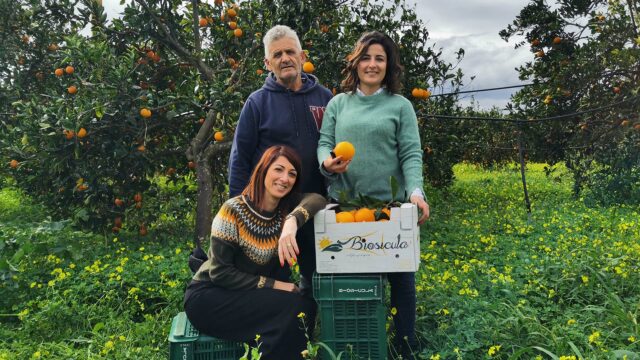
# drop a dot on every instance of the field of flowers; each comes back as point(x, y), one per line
point(495, 282)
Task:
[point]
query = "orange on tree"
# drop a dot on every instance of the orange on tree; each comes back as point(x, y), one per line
point(191, 165)
point(52, 47)
point(344, 149)
point(625, 122)
point(557, 40)
point(345, 217)
point(82, 133)
point(69, 134)
point(364, 215)
point(59, 72)
point(145, 113)
point(237, 32)
point(142, 148)
point(218, 136)
point(425, 94)
point(232, 12)
point(72, 89)
point(540, 53)
point(308, 67)
point(203, 22)
point(535, 42)
point(233, 25)
point(259, 71)
point(118, 202)
point(416, 93)
point(137, 197)
point(14, 163)
point(143, 230)
point(616, 90)
point(218, 2)
point(324, 28)
point(171, 171)
point(69, 69)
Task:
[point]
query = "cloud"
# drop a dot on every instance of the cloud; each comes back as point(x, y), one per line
point(474, 25)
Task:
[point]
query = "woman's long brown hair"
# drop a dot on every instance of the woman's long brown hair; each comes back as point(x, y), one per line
point(392, 79)
point(255, 190)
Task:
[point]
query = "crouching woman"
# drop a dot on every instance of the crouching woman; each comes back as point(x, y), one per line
point(242, 291)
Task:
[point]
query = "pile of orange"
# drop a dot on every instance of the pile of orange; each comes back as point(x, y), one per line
point(363, 215)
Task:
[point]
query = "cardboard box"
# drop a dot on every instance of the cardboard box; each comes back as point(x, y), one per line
point(368, 247)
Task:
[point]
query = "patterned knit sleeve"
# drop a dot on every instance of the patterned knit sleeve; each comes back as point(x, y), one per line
point(310, 204)
point(224, 248)
point(410, 150)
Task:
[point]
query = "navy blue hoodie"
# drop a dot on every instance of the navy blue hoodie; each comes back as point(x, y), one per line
point(275, 115)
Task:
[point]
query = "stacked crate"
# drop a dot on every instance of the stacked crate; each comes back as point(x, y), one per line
point(350, 284)
point(186, 343)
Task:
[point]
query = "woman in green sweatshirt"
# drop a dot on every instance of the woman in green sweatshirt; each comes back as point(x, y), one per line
point(382, 126)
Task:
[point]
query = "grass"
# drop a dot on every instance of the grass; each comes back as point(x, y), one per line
point(495, 282)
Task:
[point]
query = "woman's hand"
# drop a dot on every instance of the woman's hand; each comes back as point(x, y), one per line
point(287, 245)
point(336, 165)
point(285, 286)
point(422, 206)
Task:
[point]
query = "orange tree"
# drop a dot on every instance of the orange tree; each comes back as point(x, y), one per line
point(585, 55)
point(92, 117)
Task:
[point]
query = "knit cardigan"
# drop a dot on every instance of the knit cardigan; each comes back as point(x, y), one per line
point(244, 243)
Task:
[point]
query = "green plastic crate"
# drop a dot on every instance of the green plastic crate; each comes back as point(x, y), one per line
point(186, 343)
point(352, 314)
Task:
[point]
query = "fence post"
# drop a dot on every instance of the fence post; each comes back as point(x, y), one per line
point(522, 172)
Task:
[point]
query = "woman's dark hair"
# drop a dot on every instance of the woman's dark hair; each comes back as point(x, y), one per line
point(255, 190)
point(394, 69)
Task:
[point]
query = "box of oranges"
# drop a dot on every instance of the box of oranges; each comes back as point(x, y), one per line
point(354, 242)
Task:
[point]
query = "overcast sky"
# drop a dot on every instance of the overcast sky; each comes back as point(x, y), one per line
point(469, 24)
point(474, 25)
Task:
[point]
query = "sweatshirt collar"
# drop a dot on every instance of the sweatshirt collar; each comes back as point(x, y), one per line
point(360, 93)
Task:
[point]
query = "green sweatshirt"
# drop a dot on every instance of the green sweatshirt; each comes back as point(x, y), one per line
point(384, 131)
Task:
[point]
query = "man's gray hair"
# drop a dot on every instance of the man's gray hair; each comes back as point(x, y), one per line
point(276, 33)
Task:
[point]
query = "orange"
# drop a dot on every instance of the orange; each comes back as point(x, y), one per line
point(259, 72)
point(69, 69)
point(237, 32)
point(171, 171)
point(143, 230)
point(218, 136)
point(308, 67)
point(145, 113)
point(52, 47)
point(191, 165)
point(59, 72)
point(625, 122)
point(14, 163)
point(416, 93)
point(201, 121)
point(233, 25)
point(232, 12)
point(142, 148)
point(231, 61)
point(344, 149)
point(324, 28)
point(557, 40)
point(364, 215)
point(82, 187)
point(69, 134)
point(118, 202)
point(616, 90)
point(117, 221)
point(82, 133)
point(539, 53)
point(137, 197)
point(535, 42)
point(345, 217)
point(385, 211)
point(203, 22)
point(218, 2)
point(72, 89)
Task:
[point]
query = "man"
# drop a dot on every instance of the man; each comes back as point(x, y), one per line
point(287, 110)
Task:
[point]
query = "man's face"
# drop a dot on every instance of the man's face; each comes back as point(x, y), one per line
point(285, 60)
